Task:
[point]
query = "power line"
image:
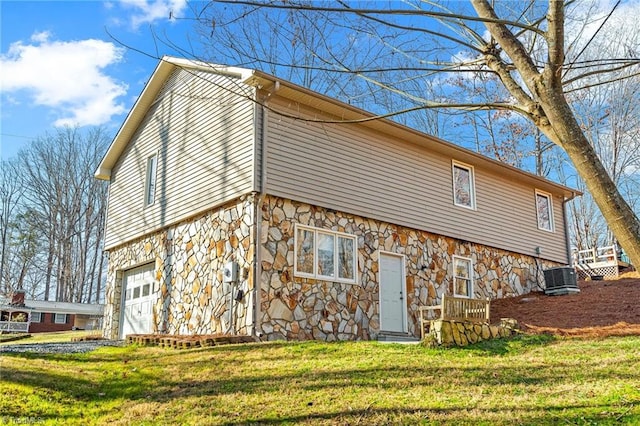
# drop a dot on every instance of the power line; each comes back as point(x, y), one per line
point(17, 136)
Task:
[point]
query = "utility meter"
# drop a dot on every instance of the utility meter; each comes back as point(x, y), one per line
point(230, 272)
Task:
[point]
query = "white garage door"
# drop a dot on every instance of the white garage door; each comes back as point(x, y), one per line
point(140, 292)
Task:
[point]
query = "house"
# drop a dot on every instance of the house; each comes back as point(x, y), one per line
point(18, 314)
point(242, 203)
point(48, 316)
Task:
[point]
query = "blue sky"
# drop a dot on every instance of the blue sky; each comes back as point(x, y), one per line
point(59, 66)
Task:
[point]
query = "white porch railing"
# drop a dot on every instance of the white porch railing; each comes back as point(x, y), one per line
point(14, 326)
point(599, 262)
point(599, 254)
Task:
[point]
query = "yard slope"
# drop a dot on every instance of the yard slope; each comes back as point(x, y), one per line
point(602, 308)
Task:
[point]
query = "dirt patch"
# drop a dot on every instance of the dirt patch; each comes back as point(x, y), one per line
point(602, 308)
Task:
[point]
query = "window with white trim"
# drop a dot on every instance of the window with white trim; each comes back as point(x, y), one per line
point(325, 255)
point(464, 191)
point(150, 180)
point(60, 319)
point(462, 276)
point(36, 316)
point(544, 210)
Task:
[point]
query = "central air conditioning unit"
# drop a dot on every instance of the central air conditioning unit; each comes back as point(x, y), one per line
point(559, 281)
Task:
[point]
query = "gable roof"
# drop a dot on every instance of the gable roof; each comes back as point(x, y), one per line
point(331, 106)
point(160, 75)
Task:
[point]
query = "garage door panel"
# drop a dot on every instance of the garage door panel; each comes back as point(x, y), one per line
point(138, 300)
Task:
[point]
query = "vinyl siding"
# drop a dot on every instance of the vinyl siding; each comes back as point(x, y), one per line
point(203, 135)
point(349, 168)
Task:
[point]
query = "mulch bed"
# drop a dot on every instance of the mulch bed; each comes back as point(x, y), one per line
point(601, 309)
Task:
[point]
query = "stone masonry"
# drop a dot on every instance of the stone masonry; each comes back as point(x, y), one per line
point(189, 259)
point(297, 308)
point(459, 333)
point(191, 298)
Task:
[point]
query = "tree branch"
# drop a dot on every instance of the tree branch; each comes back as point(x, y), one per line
point(507, 41)
point(406, 28)
point(555, 43)
point(405, 12)
point(598, 72)
point(601, 83)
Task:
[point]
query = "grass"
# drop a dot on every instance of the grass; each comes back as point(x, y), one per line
point(53, 337)
point(526, 380)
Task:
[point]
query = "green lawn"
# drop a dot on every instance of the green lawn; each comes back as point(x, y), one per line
point(527, 380)
point(54, 337)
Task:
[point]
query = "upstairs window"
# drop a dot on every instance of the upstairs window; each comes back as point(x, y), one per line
point(150, 183)
point(462, 276)
point(544, 211)
point(324, 255)
point(463, 186)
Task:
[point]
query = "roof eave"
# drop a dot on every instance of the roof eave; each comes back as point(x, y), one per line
point(347, 112)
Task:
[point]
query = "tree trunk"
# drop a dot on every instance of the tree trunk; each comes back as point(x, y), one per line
point(619, 216)
point(556, 119)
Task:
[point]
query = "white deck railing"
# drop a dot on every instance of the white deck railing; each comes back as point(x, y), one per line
point(599, 254)
point(14, 326)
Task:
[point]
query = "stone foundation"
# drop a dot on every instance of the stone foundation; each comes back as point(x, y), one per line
point(189, 258)
point(459, 333)
point(304, 308)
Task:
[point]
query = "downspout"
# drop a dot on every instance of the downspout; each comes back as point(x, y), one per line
point(567, 237)
point(257, 219)
point(263, 136)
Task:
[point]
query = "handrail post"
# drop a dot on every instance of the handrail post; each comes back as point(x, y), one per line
point(487, 309)
point(443, 307)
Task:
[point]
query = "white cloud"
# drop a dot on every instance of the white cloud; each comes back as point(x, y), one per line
point(146, 12)
point(67, 76)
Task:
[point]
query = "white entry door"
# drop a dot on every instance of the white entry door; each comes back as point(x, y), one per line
point(138, 285)
point(392, 293)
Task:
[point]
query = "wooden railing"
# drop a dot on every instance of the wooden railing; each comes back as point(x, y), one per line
point(599, 254)
point(456, 309)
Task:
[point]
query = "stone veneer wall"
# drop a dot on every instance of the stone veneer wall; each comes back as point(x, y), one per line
point(460, 333)
point(189, 258)
point(192, 299)
point(303, 308)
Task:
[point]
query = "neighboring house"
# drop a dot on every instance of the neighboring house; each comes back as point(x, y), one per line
point(242, 203)
point(47, 316)
point(18, 314)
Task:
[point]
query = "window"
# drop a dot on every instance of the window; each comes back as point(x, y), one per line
point(544, 211)
point(36, 316)
point(462, 277)
point(463, 186)
point(324, 255)
point(60, 319)
point(150, 184)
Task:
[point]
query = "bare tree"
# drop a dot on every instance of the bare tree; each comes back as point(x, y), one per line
point(523, 45)
point(65, 207)
point(11, 189)
point(609, 115)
